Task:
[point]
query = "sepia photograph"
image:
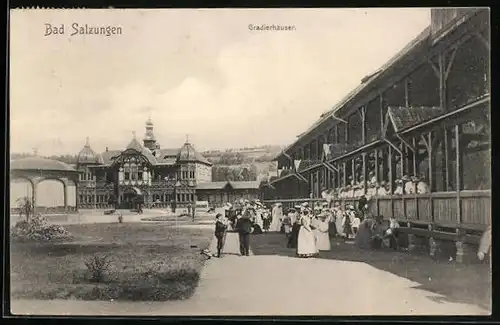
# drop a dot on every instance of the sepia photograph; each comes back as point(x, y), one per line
point(250, 162)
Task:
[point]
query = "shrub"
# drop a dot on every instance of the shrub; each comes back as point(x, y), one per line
point(36, 228)
point(98, 266)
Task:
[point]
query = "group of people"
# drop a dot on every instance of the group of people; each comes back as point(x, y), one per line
point(244, 217)
point(309, 230)
point(403, 185)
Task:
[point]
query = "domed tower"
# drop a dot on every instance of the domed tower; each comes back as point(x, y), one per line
point(87, 156)
point(149, 137)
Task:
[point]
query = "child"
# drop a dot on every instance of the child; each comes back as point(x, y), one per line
point(220, 232)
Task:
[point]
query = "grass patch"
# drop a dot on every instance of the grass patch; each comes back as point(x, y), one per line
point(461, 283)
point(148, 262)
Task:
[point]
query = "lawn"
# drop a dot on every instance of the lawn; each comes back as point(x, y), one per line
point(147, 261)
point(457, 282)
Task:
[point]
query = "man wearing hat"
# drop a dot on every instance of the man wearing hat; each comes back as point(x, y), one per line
point(221, 224)
point(244, 228)
point(381, 190)
point(294, 234)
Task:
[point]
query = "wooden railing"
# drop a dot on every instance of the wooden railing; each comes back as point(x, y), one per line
point(439, 208)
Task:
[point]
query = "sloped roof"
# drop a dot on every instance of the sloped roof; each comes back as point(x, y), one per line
point(107, 155)
point(237, 185)
point(211, 185)
point(405, 117)
point(304, 164)
point(40, 163)
point(240, 185)
point(135, 144)
point(189, 154)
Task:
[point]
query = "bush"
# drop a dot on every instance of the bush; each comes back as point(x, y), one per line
point(36, 228)
point(98, 266)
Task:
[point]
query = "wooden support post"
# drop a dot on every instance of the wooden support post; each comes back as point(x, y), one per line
point(442, 83)
point(391, 170)
point(458, 171)
point(363, 124)
point(376, 165)
point(344, 178)
point(353, 170)
point(385, 165)
point(407, 99)
point(483, 40)
point(414, 156)
point(403, 159)
point(365, 176)
point(381, 107)
point(446, 159)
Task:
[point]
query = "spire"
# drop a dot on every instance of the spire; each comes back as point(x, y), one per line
point(87, 142)
point(187, 138)
point(133, 135)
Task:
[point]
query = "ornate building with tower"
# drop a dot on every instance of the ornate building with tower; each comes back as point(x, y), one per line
point(158, 176)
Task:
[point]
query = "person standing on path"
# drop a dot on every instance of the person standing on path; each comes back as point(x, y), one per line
point(306, 243)
point(221, 224)
point(244, 228)
point(277, 217)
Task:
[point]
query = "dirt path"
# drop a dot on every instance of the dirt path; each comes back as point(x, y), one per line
point(278, 285)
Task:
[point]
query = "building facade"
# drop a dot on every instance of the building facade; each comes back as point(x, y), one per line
point(160, 176)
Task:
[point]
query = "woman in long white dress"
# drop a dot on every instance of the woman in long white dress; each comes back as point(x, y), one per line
point(323, 238)
point(277, 217)
point(306, 243)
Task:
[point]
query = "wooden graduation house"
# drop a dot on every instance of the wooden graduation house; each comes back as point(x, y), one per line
point(424, 113)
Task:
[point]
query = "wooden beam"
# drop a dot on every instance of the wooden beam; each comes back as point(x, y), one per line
point(393, 146)
point(363, 124)
point(376, 165)
point(391, 170)
point(447, 153)
point(382, 117)
point(403, 159)
point(433, 66)
point(458, 171)
point(330, 167)
point(407, 99)
point(424, 139)
point(406, 143)
point(415, 166)
point(450, 63)
point(442, 82)
point(365, 176)
point(483, 40)
point(344, 170)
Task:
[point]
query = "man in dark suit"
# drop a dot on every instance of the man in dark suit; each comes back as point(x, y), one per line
point(244, 228)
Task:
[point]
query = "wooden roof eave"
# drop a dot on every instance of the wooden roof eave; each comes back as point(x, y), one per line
point(430, 123)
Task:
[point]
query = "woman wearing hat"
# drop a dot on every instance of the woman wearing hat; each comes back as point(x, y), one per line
point(306, 242)
point(339, 219)
point(381, 190)
point(277, 216)
point(322, 226)
point(422, 187)
point(399, 187)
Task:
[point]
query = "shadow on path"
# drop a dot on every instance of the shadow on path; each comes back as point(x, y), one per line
point(458, 283)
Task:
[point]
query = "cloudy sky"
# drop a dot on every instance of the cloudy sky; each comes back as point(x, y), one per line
point(196, 72)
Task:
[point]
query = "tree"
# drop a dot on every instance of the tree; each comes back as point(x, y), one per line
point(26, 207)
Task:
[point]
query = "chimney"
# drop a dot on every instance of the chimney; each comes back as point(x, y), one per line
point(106, 149)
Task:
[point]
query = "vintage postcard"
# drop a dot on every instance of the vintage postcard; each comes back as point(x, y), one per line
point(272, 162)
